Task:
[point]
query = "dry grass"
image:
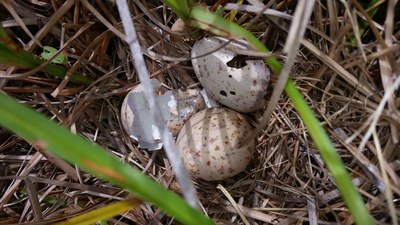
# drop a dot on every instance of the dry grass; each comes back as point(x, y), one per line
point(286, 183)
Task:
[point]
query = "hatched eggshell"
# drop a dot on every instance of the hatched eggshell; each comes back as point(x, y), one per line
point(177, 107)
point(137, 119)
point(242, 89)
point(183, 105)
point(211, 144)
point(126, 113)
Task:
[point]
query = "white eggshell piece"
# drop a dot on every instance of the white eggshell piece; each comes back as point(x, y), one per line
point(211, 144)
point(137, 119)
point(176, 106)
point(181, 106)
point(126, 112)
point(242, 89)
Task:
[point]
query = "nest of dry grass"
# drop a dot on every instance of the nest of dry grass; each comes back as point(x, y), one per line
point(287, 181)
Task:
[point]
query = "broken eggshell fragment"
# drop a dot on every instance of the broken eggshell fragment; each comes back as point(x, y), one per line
point(212, 144)
point(182, 104)
point(242, 88)
point(177, 107)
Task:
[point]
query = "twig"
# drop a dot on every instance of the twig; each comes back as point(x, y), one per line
point(173, 154)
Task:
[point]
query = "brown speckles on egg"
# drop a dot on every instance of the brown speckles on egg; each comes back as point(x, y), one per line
point(212, 139)
point(218, 155)
point(237, 83)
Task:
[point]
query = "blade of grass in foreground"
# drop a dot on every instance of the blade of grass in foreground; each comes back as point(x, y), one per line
point(201, 18)
point(331, 158)
point(39, 130)
point(103, 213)
point(169, 146)
point(181, 8)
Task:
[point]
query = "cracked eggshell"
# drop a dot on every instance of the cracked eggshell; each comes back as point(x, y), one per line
point(127, 113)
point(211, 144)
point(182, 105)
point(137, 119)
point(177, 107)
point(242, 89)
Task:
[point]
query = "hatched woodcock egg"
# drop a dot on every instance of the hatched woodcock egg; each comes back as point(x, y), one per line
point(212, 144)
point(177, 106)
point(239, 87)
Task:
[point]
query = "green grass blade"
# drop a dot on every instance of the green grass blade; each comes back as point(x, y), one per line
point(206, 20)
point(180, 7)
point(60, 71)
point(12, 58)
point(363, 25)
point(103, 213)
point(11, 54)
point(201, 18)
point(37, 129)
point(331, 158)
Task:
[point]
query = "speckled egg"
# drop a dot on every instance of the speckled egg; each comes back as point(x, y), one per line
point(239, 87)
point(211, 144)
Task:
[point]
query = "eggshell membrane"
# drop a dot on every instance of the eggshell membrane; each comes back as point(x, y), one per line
point(188, 103)
point(242, 89)
point(211, 144)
